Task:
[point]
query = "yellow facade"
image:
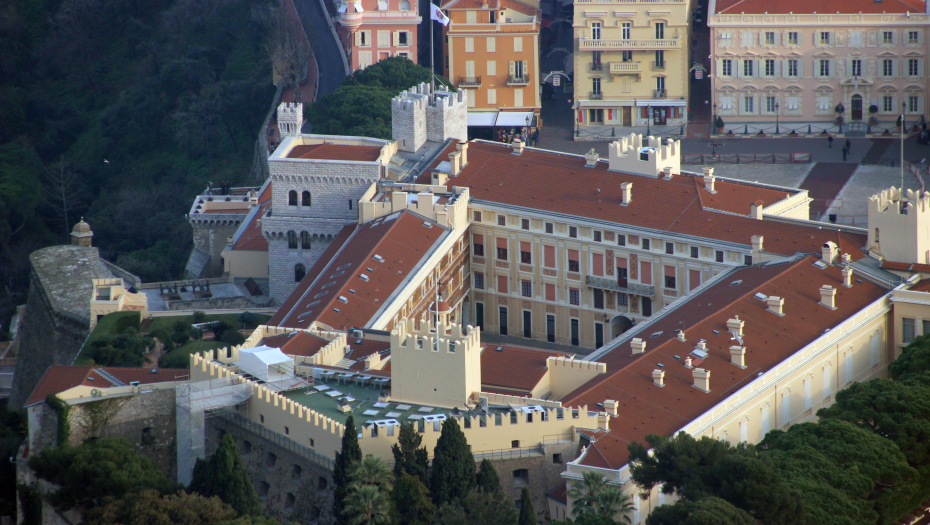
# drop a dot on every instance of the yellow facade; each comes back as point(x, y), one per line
point(631, 62)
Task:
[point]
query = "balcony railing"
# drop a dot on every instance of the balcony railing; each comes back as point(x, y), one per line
point(659, 94)
point(594, 45)
point(469, 81)
point(605, 283)
point(658, 66)
point(596, 96)
point(626, 68)
point(597, 66)
point(518, 80)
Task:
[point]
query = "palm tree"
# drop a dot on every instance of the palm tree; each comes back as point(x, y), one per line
point(584, 494)
point(610, 501)
point(366, 505)
point(371, 471)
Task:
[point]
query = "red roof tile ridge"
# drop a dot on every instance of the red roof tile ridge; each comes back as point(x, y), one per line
point(597, 381)
point(72, 375)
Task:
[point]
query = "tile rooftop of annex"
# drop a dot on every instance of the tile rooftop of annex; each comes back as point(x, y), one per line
point(58, 378)
point(251, 238)
point(336, 152)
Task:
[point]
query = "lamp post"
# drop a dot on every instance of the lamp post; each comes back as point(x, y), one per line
point(713, 123)
point(903, 129)
point(777, 106)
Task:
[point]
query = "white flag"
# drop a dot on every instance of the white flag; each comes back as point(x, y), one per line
point(436, 14)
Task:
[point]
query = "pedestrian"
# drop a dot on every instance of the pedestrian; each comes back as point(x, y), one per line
point(535, 137)
point(844, 152)
point(848, 145)
point(830, 140)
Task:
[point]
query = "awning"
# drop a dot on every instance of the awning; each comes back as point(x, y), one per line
point(605, 103)
point(662, 102)
point(481, 118)
point(513, 118)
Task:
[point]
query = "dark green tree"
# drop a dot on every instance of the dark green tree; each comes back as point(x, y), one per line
point(410, 501)
point(346, 459)
point(589, 518)
point(675, 462)
point(149, 507)
point(409, 456)
point(527, 512)
point(453, 474)
point(97, 469)
point(222, 475)
point(914, 361)
point(395, 74)
point(705, 511)
point(487, 478)
point(478, 507)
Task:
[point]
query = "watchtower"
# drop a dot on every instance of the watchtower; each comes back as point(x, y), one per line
point(290, 119)
point(899, 225)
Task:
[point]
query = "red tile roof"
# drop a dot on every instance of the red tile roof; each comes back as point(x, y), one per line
point(402, 240)
point(493, 4)
point(734, 197)
point(513, 369)
point(59, 378)
point(899, 266)
point(818, 6)
point(561, 184)
point(558, 493)
point(252, 238)
point(336, 152)
point(922, 286)
point(297, 343)
point(769, 339)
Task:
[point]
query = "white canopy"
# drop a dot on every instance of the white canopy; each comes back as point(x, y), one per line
point(514, 118)
point(265, 363)
point(481, 118)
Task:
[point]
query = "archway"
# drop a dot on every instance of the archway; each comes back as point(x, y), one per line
point(619, 324)
point(856, 107)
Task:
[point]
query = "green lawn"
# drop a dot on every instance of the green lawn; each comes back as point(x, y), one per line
point(166, 323)
point(109, 325)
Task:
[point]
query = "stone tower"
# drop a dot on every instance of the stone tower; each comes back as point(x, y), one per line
point(81, 235)
point(290, 118)
point(420, 114)
point(899, 225)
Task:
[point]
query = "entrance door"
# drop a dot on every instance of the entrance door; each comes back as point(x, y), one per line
point(479, 315)
point(527, 324)
point(627, 113)
point(658, 116)
point(647, 306)
point(857, 107)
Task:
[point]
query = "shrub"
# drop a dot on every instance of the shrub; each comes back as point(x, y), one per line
point(719, 122)
point(247, 319)
point(175, 359)
point(232, 337)
point(180, 326)
point(199, 317)
point(180, 338)
point(165, 338)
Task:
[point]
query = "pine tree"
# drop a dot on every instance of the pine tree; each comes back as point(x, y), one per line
point(453, 473)
point(222, 475)
point(488, 480)
point(411, 503)
point(350, 455)
point(409, 456)
point(527, 512)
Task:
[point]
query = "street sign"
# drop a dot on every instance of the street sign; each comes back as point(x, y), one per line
point(698, 74)
point(557, 81)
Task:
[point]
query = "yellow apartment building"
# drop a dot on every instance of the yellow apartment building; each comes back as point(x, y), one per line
point(630, 63)
point(491, 50)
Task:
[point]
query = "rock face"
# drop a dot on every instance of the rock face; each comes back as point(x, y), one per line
point(57, 316)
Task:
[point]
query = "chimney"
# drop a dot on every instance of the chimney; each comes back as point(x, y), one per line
point(847, 276)
point(668, 172)
point(709, 179)
point(611, 407)
point(590, 158)
point(702, 379)
point(639, 346)
point(846, 258)
point(658, 377)
point(688, 361)
point(455, 159)
point(755, 210)
point(627, 189)
point(776, 304)
point(756, 248)
point(462, 148)
point(681, 335)
point(827, 295)
point(517, 146)
point(738, 356)
point(736, 326)
point(702, 345)
point(828, 252)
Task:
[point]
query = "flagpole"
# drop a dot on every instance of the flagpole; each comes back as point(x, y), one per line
point(432, 44)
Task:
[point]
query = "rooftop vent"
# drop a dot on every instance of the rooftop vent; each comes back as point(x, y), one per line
point(735, 283)
point(760, 296)
point(776, 305)
point(372, 270)
point(738, 356)
point(656, 334)
point(700, 354)
point(427, 224)
point(314, 303)
point(627, 189)
point(336, 310)
point(343, 299)
point(378, 258)
point(827, 296)
point(658, 377)
point(154, 370)
point(134, 383)
point(305, 314)
point(337, 274)
point(320, 295)
point(820, 264)
point(638, 345)
point(702, 379)
point(499, 349)
point(363, 277)
point(344, 266)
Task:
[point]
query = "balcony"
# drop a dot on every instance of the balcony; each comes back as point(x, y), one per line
point(630, 44)
point(605, 283)
point(659, 94)
point(469, 81)
point(597, 66)
point(658, 66)
point(626, 68)
point(595, 96)
point(515, 80)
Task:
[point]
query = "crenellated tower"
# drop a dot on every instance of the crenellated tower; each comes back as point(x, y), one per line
point(899, 225)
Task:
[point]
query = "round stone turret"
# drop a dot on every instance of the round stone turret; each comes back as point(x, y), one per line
point(81, 235)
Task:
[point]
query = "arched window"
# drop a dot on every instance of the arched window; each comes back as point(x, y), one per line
point(299, 272)
point(404, 5)
point(305, 240)
point(305, 199)
point(292, 240)
point(292, 198)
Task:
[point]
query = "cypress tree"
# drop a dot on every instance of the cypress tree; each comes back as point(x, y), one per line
point(488, 480)
point(453, 473)
point(222, 475)
point(411, 503)
point(527, 512)
point(350, 455)
point(409, 456)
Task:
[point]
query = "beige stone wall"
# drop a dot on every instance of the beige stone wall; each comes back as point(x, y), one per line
point(245, 264)
point(913, 308)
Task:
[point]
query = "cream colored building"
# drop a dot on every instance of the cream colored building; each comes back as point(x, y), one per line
point(111, 295)
point(772, 59)
point(631, 62)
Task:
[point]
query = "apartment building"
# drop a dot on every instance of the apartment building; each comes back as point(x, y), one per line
point(862, 60)
point(631, 62)
point(377, 29)
point(491, 50)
